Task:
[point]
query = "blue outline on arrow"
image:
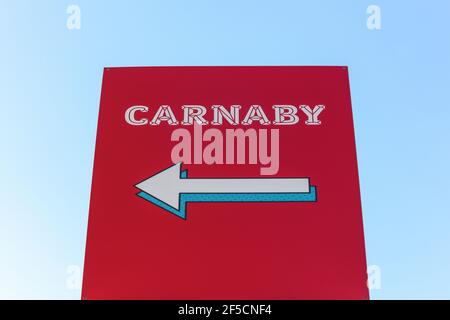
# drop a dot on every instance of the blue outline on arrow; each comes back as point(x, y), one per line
point(311, 196)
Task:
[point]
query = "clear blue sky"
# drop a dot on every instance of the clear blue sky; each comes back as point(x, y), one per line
point(50, 81)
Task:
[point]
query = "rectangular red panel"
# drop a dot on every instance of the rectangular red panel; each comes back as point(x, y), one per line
point(275, 215)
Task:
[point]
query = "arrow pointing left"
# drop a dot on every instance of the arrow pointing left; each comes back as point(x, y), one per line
point(171, 190)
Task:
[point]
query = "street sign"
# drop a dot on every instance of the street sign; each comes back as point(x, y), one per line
point(225, 183)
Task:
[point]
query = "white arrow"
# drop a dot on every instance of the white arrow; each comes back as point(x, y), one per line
point(167, 185)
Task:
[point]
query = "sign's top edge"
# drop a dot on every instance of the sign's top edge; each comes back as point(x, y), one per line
point(231, 66)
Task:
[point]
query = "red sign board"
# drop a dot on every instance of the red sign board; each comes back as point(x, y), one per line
point(225, 183)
